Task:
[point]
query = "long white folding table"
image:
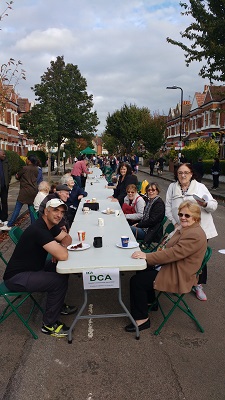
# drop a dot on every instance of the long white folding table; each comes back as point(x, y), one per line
point(109, 255)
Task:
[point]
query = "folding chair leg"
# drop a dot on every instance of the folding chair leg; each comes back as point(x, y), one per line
point(176, 303)
point(14, 308)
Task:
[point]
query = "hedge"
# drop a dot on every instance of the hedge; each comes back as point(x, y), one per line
point(16, 163)
point(41, 155)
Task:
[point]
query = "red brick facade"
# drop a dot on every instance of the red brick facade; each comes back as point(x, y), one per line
point(204, 118)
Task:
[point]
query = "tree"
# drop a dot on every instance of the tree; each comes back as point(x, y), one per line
point(153, 132)
point(62, 95)
point(10, 72)
point(131, 124)
point(207, 34)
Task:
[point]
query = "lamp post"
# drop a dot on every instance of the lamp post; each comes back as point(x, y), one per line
point(181, 113)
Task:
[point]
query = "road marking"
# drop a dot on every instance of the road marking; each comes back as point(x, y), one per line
point(90, 323)
point(89, 396)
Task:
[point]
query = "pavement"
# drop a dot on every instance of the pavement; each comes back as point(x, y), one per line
point(218, 194)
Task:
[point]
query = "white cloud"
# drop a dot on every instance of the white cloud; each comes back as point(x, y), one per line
point(119, 47)
point(49, 40)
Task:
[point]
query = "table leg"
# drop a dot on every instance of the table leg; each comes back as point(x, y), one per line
point(77, 317)
point(80, 316)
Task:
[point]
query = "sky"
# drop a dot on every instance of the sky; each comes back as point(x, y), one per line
point(119, 47)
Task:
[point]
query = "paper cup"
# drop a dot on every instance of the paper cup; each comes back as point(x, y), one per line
point(100, 222)
point(86, 210)
point(124, 241)
point(81, 236)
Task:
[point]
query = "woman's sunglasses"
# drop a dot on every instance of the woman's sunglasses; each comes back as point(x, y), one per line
point(180, 215)
point(151, 190)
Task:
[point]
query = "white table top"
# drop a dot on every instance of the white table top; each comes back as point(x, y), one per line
point(109, 255)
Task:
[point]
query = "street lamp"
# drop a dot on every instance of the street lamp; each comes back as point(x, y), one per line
point(181, 112)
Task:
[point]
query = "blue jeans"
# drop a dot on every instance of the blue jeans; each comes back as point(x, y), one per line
point(16, 212)
point(139, 233)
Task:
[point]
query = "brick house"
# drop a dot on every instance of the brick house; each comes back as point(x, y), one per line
point(11, 137)
point(203, 118)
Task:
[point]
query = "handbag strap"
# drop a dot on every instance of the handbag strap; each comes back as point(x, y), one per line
point(136, 201)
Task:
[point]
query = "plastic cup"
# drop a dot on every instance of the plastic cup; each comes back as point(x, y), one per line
point(81, 235)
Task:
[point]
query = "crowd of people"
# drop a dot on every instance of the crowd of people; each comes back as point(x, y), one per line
point(189, 206)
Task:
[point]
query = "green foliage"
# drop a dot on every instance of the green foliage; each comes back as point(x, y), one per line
point(64, 109)
point(41, 155)
point(207, 36)
point(16, 163)
point(206, 149)
point(111, 144)
point(173, 155)
point(130, 125)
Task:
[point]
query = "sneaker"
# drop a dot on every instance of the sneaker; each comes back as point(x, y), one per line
point(58, 329)
point(199, 292)
point(5, 228)
point(67, 310)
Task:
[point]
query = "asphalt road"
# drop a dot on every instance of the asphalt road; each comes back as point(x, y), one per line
point(105, 362)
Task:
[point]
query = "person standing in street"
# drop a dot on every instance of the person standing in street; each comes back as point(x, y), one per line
point(5, 178)
point(80, 168)
point(28, 190)
point(216, 172)
point(151, 165)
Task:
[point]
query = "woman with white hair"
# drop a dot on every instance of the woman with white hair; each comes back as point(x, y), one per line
point(43, 191)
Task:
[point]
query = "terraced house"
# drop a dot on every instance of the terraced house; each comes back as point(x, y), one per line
point(11, 107)
point(203, 118)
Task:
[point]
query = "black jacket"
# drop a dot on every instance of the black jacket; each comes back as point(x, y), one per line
point(120, 191)
point(156, 215)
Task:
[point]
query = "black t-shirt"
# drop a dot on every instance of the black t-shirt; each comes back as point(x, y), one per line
point(29, 254)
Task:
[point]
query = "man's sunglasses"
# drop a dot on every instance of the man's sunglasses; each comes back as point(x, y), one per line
point(184, 215)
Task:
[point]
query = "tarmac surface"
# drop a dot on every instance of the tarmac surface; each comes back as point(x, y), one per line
point(106, 363)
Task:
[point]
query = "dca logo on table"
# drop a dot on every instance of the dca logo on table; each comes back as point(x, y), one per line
point(101, 277)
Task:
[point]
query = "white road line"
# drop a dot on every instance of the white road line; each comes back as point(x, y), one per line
point(90, 324)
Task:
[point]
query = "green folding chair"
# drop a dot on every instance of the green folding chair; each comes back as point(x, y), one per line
point(33, 212)
point(15, 234)
point(150, 247)
point(178, 300)
point(169, 228)
point(13, 301)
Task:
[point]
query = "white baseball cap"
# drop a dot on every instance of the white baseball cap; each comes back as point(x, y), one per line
point(56, 203)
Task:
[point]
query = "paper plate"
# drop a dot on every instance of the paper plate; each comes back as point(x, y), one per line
point(222, 251)
point(111, 212)
point(131, 245)
point(85, 246)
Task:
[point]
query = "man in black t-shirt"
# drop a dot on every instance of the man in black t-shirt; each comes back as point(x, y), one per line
point(26, 268)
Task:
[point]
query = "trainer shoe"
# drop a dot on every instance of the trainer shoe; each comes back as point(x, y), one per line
point(5, 228)
point(67, 310)
point(199, 292)
point(58, 329)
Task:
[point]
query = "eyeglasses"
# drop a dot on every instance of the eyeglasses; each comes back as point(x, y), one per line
point(184, 173)
point(151, 190)
point(130, 192)
point(180, 215)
